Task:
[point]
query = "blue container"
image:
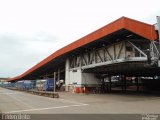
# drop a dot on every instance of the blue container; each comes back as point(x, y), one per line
point(25, 85)
point(48, 85)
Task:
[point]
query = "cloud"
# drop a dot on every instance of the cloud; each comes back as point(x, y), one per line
point(20, 53)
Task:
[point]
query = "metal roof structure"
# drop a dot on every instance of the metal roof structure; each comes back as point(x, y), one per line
point(120, 25)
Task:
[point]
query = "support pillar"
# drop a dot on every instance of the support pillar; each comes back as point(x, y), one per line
point(122, 83)
point(67, 75)
point(125, 84)
point(54, 90)
point(110, 84)
point(103, 90)
point(58, 76)
point(137, 83)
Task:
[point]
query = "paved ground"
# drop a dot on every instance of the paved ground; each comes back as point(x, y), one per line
point(20, 102)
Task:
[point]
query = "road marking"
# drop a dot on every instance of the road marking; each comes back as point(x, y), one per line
point(20, 101)
point(31, 108)
point(70, 101)
point(49, 108)
point(64, 100)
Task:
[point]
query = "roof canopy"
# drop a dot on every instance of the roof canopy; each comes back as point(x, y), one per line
point(142, 29)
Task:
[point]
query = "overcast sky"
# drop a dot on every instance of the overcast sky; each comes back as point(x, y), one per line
point(31, 30)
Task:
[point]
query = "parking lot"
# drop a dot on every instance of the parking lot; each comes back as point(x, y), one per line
point(71, 103)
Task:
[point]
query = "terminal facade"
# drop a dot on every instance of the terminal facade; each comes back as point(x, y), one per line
point(119, 52)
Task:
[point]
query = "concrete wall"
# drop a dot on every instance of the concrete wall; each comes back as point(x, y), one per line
point(75, 77)
point(90, 80)
point(67, 75)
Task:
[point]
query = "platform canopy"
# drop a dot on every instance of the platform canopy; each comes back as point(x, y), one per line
point(116, 30)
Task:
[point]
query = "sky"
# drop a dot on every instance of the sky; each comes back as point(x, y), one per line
point(31, 30)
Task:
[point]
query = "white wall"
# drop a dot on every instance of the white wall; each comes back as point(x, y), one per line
point(90, 79)
point(76, 77)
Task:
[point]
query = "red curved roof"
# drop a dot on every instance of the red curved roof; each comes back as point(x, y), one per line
point(145, 30)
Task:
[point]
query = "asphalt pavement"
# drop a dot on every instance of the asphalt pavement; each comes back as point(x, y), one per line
point(71, 103)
